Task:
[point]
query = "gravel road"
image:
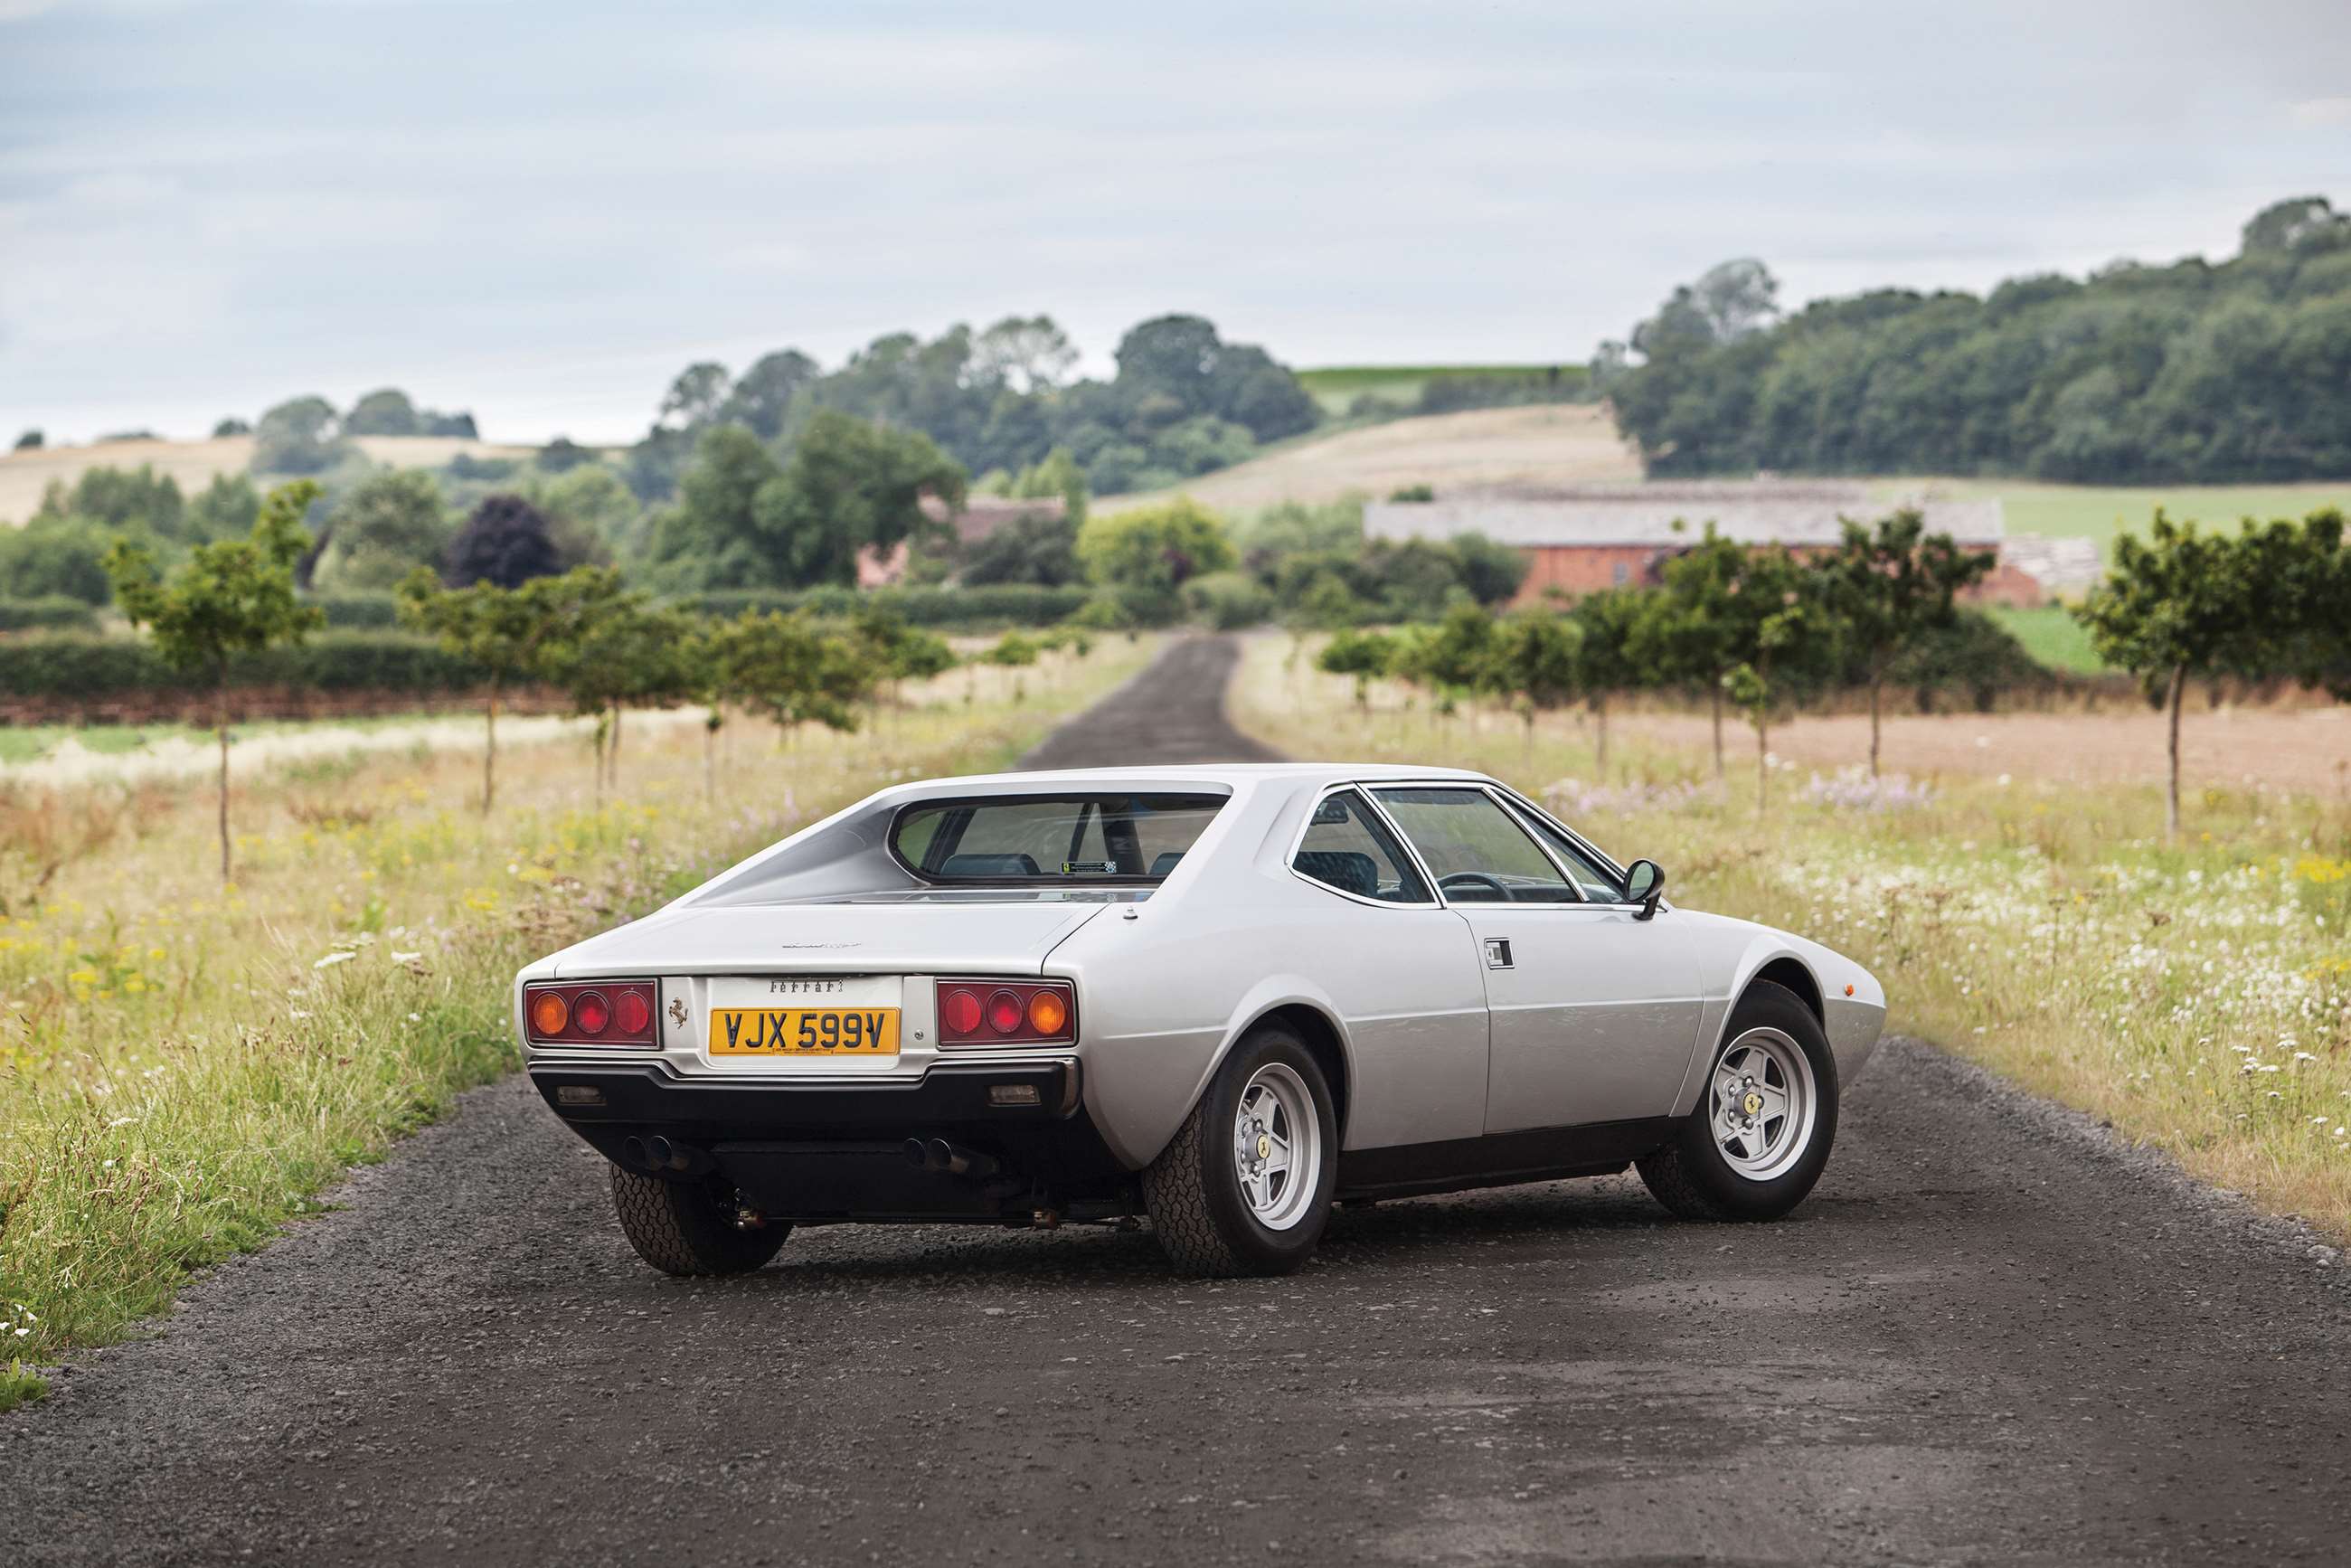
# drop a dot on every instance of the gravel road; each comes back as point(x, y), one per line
point(1993, 1335)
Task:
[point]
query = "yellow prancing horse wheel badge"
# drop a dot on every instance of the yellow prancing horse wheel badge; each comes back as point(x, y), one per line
point(1265, 1145)
point(1753, 1105)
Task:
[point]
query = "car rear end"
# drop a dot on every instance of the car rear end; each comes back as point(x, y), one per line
point(900, 1054)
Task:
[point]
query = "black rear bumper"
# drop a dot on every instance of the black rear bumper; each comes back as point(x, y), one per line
point(813, 1152)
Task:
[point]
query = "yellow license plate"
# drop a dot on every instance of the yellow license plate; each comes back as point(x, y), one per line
point(804, 1032)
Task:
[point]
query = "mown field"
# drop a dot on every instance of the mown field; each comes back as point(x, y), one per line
point(184, 1066)
point(2197, 995)
point(1336, 387)
point(2102, 511)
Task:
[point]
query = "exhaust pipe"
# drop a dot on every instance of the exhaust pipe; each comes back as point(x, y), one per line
point(940, 1157)
point(658, 1154)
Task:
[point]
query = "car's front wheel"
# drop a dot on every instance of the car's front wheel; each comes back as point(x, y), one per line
point(1244, 1186)
point(691, 1227)
point(1761, 1133)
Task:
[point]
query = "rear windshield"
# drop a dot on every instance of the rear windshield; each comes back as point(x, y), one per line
point(1062, 840)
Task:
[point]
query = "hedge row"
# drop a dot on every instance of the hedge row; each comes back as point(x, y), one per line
point(360, 611)
point(78, 666)
point(50, 612)
point(1011, 604)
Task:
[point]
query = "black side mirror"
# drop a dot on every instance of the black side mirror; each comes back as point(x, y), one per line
point(1645, 883)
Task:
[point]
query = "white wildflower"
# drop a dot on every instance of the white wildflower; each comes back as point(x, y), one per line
point(406, 958)
point(331, 959)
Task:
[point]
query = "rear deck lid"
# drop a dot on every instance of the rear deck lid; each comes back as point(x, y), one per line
point(896, 936)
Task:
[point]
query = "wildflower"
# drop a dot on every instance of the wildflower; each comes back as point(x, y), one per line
point(406, 958)
point(331, 959)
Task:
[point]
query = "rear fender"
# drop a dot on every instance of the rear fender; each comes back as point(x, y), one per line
point(1137, 1126)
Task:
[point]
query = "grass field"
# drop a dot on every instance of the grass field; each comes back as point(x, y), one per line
point(2051, 636)
point(184, 1066)
point(2101, 511)
point(1336, 387)
point(24, 474)
point(1541, 444)
point(2196, 996)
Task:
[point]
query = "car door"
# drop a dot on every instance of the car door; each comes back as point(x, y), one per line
point(1402, 964)
point(1593, 1012)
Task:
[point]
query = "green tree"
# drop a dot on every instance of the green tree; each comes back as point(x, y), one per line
point(230, 597)
point(2182, 604)
point(1156, 547)
point(1535, 663)
point(697, 394)
point(1056, 474)
point(1458, 656)
point(1888, 588)
point(500, 629)
point(790, 670)
point(45, 558)
point(1614, 624)
point(297, 436)
point(1782, 636)
point(851, 485)
point(1695, 636)
point(1366, 655)
point(384, 412)
point(388, 525)
point(226, 508)
point(595, 650)
point(123, 499)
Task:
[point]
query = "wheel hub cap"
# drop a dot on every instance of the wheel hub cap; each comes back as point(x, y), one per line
point(1277, 1146)
point(1764, 1103)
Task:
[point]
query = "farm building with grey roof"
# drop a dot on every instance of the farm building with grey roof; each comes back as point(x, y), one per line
point(1581, 540)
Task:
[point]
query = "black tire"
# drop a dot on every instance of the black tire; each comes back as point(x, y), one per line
point(689, 1227)
point(1694, 1178)
point(1193, 1192)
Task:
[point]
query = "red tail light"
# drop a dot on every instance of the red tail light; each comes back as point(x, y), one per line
point(610, 1012)
point(1006, 1012)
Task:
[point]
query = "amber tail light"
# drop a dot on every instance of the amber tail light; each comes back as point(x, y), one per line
point(1006, 1012)
point(599, 1012)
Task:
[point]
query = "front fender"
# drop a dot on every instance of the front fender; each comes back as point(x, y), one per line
point(1733, 952)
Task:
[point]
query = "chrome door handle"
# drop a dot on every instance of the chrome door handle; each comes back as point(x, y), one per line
point(1498, 952)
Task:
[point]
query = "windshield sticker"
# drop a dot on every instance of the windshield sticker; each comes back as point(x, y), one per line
point(1100, 868)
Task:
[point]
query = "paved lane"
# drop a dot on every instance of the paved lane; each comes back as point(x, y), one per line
point(1990, 1337)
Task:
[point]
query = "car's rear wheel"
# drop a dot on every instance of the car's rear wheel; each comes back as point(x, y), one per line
point(691, 1227)
point(1764, 1120)
point(1244, 1186)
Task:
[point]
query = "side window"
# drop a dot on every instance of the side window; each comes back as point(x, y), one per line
point(1347, 848)
point(1597, 884)
point(1477, 850)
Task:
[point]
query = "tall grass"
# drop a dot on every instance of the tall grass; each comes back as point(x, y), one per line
point(184, 1065)
point(2196, 996)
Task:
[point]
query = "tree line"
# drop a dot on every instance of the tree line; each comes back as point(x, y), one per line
point(2193, 371)
point(1181, 402)
point(607, 647)
point(1758, 629)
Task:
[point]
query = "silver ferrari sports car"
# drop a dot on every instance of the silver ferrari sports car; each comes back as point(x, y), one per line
point(1223, 997)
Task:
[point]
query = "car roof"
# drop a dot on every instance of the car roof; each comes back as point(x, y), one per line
point(1233, 773)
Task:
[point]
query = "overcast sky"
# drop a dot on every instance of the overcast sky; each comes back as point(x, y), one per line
point(540, 211)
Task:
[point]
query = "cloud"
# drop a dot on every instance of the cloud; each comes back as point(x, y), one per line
point(543, 221)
